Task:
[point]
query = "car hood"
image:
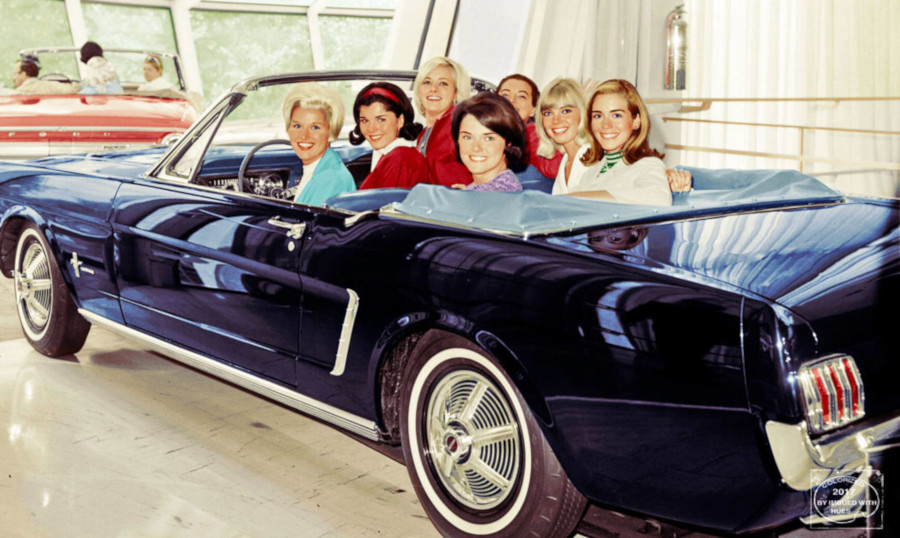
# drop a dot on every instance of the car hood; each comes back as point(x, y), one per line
point(122, 164)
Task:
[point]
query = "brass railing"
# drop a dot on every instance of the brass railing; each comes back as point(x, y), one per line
point(802, 130)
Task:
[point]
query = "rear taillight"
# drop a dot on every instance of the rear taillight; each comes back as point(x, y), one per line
point(832, 392)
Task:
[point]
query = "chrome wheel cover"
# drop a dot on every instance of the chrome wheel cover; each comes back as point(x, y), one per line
point(473, 440)
point(34, 287)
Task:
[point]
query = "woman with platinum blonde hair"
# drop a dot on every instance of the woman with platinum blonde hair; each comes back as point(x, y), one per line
point(560, 127)
point(313, 118)
point(439, 85)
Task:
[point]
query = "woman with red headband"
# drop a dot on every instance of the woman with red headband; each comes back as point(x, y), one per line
point(385, 119)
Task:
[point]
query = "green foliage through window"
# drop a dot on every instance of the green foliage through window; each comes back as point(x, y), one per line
point(30, 23)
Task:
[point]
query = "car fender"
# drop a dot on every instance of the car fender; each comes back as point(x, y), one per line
point(11, 222)
point(417, 323)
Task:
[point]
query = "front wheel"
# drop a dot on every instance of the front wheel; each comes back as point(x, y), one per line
point(47, 313)
point(477, 458)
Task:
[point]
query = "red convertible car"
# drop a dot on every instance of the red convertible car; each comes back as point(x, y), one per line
point(60, 119)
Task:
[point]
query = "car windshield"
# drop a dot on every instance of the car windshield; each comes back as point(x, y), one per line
point(63, 64)
point(251, 114)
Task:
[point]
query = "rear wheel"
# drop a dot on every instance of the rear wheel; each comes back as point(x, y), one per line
point(476, 456)
point(47, 313)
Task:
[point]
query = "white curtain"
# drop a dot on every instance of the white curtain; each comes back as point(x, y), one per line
point(798, 48)
point(584, 39)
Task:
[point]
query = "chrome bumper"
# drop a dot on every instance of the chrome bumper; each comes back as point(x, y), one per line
point(805, 464)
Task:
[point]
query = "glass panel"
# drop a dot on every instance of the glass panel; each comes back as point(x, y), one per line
point(233, 46)
point(62, 63)
point(114, 27)
point(349, 4)
point(30, 23)
point(363, 4)
point(354, 42)
point(130, 67)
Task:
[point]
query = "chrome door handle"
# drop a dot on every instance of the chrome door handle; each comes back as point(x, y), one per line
point(294, 230)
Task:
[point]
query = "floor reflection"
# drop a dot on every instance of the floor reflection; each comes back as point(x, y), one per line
point(116, 441)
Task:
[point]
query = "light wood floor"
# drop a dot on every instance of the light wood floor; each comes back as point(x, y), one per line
point(120, 442)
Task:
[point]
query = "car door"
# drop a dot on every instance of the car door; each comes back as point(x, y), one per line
point(212, 271)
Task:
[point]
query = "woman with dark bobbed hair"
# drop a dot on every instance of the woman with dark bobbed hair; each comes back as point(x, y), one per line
point(490, 142)
point(386, 120)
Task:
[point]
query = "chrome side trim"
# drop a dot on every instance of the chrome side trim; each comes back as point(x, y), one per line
point(804, 464)
point(340, 418)
point(346, 332)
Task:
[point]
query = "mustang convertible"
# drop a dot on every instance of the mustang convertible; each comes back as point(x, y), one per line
point(713, 363)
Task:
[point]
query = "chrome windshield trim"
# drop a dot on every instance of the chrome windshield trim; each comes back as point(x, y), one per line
point(338, 417)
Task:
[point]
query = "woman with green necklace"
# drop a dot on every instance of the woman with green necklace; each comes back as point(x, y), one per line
point(620, 164)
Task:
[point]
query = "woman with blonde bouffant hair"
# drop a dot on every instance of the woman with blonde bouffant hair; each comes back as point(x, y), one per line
point(313, 118)
point(439, 85)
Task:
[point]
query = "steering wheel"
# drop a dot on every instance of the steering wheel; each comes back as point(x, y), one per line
point(56, 77)
point(243, 182)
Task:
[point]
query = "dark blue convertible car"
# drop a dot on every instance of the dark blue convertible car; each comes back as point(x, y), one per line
point(713, 363)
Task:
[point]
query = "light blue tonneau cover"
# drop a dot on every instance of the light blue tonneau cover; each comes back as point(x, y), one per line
point(531, 212)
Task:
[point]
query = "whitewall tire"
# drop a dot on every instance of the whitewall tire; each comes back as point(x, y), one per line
point(476, 456)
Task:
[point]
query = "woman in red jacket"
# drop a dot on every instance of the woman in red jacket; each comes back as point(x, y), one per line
point(440, 83)
point(385, 118)
point(523, 93)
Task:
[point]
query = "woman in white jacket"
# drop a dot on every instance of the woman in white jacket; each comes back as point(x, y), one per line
point(153, 70)
point(100, 76)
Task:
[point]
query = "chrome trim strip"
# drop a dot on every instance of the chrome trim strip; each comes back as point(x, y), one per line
point(804, 464)
point(356, 217)
point(346, 331)
point(340, 418)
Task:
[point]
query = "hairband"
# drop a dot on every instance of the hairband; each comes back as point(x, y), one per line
point(153, 59)
point(383, 92)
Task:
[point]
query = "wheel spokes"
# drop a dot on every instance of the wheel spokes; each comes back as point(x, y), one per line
point(36, 311)
point(473, 404)
point(40, 284)
point(37, 260)
point(473, 438)
point(34, 287)
point(493, 435)
point(488, 473)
